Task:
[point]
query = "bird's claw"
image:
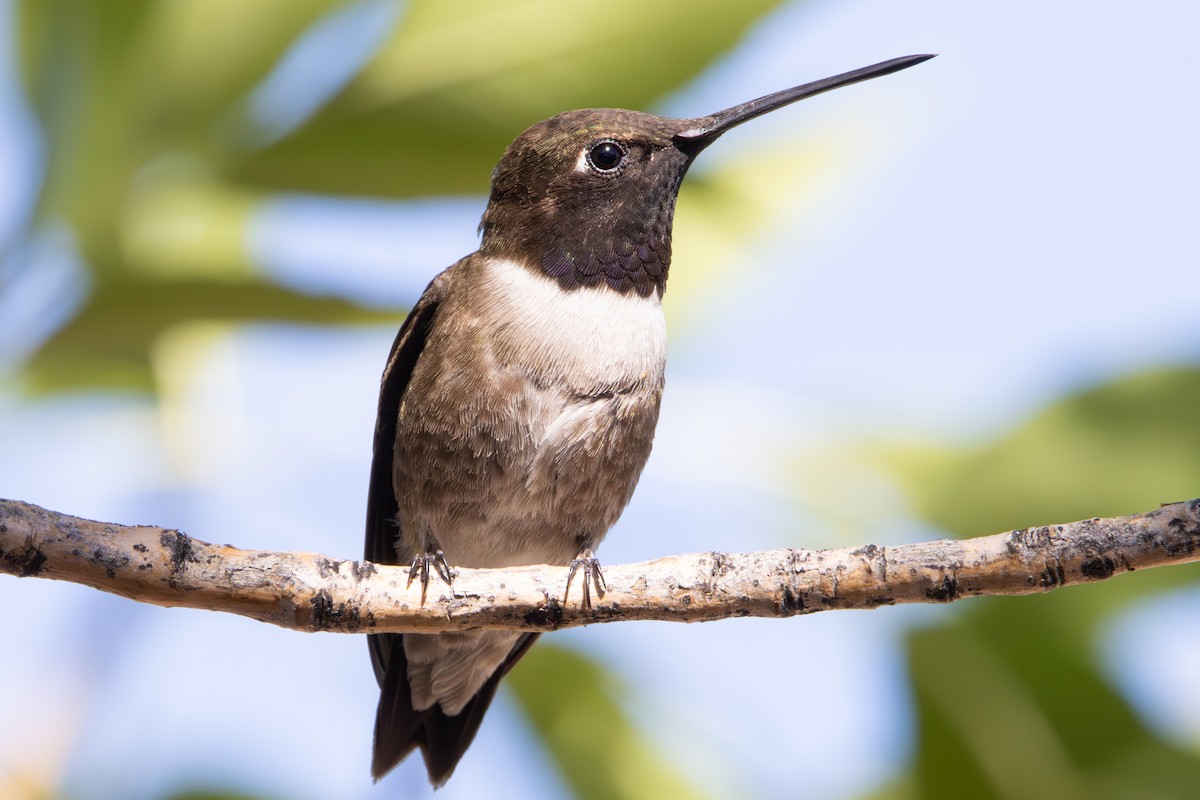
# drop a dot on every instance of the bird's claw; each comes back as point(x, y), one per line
point(422, 564)
point(592, 576)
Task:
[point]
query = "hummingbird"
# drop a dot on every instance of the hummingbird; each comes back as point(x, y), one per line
point(518, 404)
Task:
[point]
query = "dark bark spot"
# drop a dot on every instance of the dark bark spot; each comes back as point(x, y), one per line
point(875, 558)
point(1098, 568)
point(358, 569)
point(791, 602)
point(141, 548)
point(322, 608)
point(326, 615)
point(720, 564)
point(945, 591)
point(24, 563)
point(1053, 575)
point(549, 615)
point(111, 560)
point(179, 549)
point(1186, 546)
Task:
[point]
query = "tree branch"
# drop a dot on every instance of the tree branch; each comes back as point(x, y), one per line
point(310, 592)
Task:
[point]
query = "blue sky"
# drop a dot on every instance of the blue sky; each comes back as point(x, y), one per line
point(1001, 225)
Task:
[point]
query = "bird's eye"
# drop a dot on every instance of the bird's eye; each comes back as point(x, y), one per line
point(606, 156)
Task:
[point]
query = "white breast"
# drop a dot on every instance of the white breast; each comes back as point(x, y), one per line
point(592, 337)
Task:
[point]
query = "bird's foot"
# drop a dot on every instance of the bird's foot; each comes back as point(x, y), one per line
point(423, 564)
point(592, 576)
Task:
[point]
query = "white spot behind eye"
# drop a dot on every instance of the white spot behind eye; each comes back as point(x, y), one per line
point(581, 163)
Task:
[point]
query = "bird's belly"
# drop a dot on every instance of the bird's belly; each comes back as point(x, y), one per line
point(537, 487)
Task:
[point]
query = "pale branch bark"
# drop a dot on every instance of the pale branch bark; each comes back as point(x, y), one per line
point(310, 592)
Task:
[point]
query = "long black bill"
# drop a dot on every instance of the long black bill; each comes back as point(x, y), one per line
point(709, 128)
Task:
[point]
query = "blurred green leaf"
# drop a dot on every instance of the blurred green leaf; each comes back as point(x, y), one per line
point(1010, 704)
point(213, 794)
point(80, 66)
point(433, 112)
point(201, 58)
point(571, 701)
point(116, 84)
point(122, 86)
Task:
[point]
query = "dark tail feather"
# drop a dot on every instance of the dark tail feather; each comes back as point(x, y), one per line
point(397, 725)
point(443, 739)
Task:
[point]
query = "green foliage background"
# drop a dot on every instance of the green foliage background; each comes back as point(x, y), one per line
point(1010, 696)
point(155, 164)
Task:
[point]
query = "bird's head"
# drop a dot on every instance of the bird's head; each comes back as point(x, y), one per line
point(588, 197)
